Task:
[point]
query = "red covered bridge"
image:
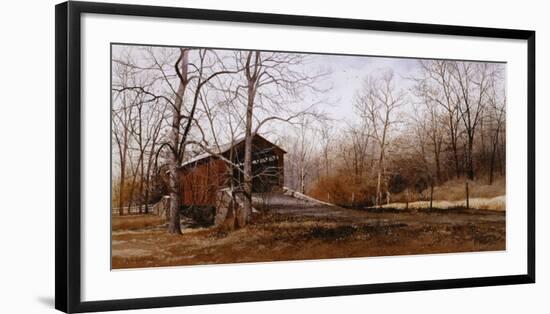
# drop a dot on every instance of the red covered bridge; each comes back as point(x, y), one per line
point(203, 176)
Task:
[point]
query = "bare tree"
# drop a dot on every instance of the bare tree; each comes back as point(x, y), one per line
point(120, 133)
point(190, 76)
point(432, 123)
point(497, 108)
point(154, 128)
point(137, 131)
point(122, 112)
point(422, 130)
point(221, 109)
point(179, 140)
point(326, 142)
point(273, 82)
point(472, 80)
point(356, 152)
point(378, 101)
point(437, 85)
point(300, 159)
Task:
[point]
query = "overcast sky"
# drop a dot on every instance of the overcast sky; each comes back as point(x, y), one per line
point(348, 74)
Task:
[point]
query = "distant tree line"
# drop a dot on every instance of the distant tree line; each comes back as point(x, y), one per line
point(449, 125)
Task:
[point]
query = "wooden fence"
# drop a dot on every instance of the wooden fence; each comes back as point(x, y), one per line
point(134, 210)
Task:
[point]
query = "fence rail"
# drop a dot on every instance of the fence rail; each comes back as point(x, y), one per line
point(134, 210)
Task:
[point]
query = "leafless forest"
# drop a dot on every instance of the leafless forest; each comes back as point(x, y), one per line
point(224, 156)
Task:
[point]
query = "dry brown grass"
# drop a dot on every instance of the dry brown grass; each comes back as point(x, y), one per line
point(494, 203)
point(135, 222)
point(455, 190)
point(341, 190)
point(280, 237)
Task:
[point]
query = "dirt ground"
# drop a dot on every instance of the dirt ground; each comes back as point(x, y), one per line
point(299, 230)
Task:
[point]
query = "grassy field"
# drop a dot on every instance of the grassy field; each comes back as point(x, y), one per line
point(142, 241)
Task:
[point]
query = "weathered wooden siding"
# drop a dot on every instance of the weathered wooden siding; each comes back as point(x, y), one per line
point(202, 179)
point(200, 183)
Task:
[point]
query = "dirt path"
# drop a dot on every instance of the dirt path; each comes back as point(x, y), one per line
point(287, 205)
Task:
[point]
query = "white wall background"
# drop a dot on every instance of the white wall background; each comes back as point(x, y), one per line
point(27, 155)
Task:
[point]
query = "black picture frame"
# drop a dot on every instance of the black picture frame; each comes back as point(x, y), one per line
point(68, 156)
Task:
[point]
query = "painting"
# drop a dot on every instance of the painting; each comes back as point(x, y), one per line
point(223, 156)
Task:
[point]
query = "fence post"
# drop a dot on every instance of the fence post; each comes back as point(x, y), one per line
point(467, 196)
point(407, 198)
point(431, 193)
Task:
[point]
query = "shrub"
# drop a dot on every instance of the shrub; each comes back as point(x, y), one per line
point(344, 191)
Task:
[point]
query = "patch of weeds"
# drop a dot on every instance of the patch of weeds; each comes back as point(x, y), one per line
point(219, 234)
point(384, 210)
point(331, 233)
point(343, 232)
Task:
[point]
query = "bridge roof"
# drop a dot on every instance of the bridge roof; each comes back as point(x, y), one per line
point(226, 147)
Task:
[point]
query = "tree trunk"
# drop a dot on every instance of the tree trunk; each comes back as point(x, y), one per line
point(147, 185)
point(131, 194)
point(148, 180)
point(174, 225)
point(454, 141)
point(492, 162)
point(121, 189)
point(141, 157)
point(302, 180)
point(242, 214)
point(494, 142)
point(431, 193)
point(502, 155)
point(141, 194)
point(378, 192)
point(455, 155)
point(122, 174)
point(470, 158)
point(437, 164)
point(326, 163)
point(407, 198)
point(467, 196)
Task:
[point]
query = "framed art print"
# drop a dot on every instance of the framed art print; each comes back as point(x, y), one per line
point(231, 156)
